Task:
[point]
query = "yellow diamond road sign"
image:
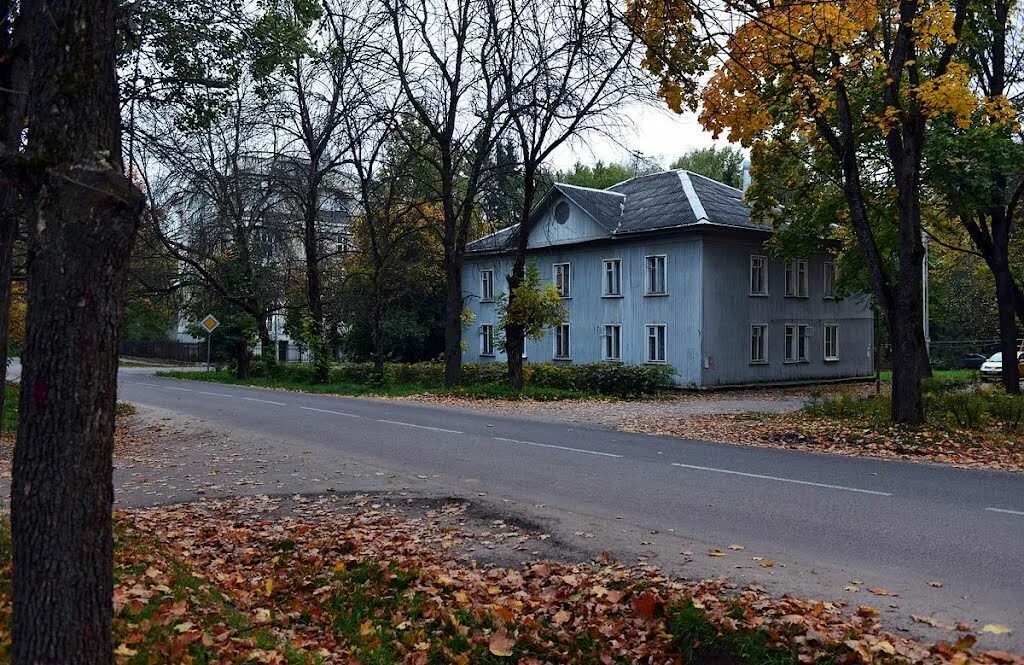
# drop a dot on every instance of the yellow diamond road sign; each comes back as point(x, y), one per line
point(210, 323)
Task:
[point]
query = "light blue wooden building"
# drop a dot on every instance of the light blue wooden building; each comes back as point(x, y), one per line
point(669, 268)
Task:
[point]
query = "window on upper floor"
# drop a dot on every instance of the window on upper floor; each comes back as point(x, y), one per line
point(562, 350)
point(830, 279)
point(487, 339)
point(831, 337)
point(612, 284)
point(796, 278)
point(656, 343)
point(796, 343)
point(486, 285)
point(758, 275)
point(759, 343)
point(656, 275)
point(611, 342)
point(563, 279)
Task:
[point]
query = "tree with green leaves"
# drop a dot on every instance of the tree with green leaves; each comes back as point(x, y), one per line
point(599, 175)
point(724, 164)
point(977, 167)
point(533, 307)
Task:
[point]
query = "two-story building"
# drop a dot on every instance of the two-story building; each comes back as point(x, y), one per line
point(668, 268)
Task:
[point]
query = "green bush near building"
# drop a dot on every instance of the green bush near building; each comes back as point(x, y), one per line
point(543, 380)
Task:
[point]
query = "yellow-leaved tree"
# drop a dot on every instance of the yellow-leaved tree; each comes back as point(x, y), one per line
point(848, 88)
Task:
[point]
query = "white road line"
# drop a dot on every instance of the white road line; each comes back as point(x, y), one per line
point(333, 413)
point(151, 385)
point(549, 445)
point(203, 392)
point(436, 429)
point(1007, 511)
point(265, 401)
point(184, 390)
point(781, 480)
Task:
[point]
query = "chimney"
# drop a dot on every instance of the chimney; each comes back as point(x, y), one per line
point(746, 174)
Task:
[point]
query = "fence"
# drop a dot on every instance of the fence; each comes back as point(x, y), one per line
point(182, 352)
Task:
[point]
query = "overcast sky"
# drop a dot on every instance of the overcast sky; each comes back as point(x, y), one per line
point(659, 134)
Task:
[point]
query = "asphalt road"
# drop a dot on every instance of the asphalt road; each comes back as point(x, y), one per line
point(909, 524)
point(912, 522)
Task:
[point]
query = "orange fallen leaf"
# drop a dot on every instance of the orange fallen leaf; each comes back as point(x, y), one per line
point(501, 644)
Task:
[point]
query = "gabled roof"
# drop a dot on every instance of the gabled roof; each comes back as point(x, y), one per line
point(648, 203)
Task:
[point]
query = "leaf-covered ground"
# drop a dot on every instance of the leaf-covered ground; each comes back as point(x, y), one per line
point(326, 580)
point(986, 448)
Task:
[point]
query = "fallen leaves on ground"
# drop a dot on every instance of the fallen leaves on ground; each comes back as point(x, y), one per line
point(323, 580)
point(966, 448)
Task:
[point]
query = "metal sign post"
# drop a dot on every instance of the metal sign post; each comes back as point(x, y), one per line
point(209, 324)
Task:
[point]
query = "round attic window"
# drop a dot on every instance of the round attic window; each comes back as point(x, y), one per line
point(561, 212)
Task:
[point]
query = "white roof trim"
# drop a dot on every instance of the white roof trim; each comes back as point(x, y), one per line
point(691, 196)
point(590, 189)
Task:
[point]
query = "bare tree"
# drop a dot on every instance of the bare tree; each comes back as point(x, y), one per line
point(214, 206)
point(566, 69)
point(442, 52)
point(317, 88)
point(85, 217)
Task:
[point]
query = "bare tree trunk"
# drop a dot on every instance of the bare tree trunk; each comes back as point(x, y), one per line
point(86, 215)
point(515, 334)
point(1007, 329)
point(452, 323)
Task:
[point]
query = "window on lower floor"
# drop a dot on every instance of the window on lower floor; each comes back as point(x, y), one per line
point(796, 343)
point(831, 341)
point(562, 342)
point(656, 343)
point(759, 343)
point(487, 340)
point(612, 342)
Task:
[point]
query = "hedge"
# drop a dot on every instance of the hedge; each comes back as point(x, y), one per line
point(602, 378)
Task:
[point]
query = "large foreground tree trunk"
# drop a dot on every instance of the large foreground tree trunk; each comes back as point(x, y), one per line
point(85, 216)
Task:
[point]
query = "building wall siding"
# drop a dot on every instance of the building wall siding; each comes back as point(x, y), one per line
point(730, 311)
point(707, 312)
point(679, 310)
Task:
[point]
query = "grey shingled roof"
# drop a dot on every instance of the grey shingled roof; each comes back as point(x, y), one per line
point(655, 202)
point(603, 205)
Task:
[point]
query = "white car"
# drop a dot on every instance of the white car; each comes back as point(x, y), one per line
point(992, 369)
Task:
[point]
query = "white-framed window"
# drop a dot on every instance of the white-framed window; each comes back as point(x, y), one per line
point(831, 335)
point(563, 279)
point(656, 343)
point(758, 275)
point(562, 349)
point(830, 279)
point(759, 343)
point(611, 342)
point(796, 278)
point(796, 343)
point(611, 284)
point(486, 285)
point(656, 275)
point(487, 339)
